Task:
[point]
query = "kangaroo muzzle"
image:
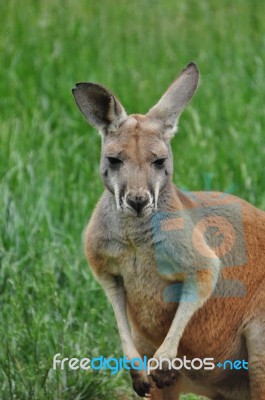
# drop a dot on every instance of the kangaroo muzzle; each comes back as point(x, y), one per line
point(138, 202)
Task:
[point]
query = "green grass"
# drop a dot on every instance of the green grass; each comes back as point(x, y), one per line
point(49, 158)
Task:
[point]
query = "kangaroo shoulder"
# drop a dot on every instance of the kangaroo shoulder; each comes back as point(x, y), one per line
point(98, 232)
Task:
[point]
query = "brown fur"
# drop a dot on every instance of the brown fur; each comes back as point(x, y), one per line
point(120, 249)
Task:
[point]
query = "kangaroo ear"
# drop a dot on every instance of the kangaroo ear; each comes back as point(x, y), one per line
point(167, 111)
point(99, 106)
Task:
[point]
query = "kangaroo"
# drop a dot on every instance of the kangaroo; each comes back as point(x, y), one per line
point(184, 272)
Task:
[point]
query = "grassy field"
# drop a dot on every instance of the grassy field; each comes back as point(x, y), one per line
point(49, 158)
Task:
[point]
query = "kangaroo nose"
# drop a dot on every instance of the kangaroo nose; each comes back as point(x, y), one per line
point(137, 202)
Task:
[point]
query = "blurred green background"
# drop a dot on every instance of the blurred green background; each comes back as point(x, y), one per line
point(49, 158)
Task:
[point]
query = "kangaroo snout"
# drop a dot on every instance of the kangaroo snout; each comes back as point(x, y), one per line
point(138, 201)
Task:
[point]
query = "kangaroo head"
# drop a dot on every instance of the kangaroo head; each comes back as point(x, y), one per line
point(136, 161)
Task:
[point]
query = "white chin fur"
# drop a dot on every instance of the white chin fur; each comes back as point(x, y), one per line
point(132, 213)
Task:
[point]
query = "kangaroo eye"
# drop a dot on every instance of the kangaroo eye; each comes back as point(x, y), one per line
point(159, 162)
point(114, 161)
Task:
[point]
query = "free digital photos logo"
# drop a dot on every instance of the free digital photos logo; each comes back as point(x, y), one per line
point(148, 364)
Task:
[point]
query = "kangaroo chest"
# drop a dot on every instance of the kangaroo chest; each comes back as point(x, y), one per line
point(135, 260)
point(136, 257)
